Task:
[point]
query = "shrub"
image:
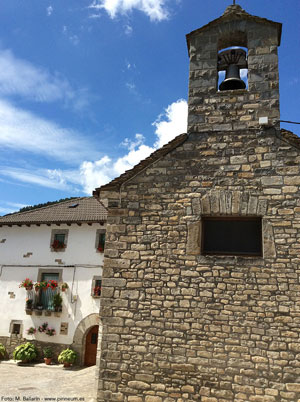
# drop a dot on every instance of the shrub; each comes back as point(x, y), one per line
point(67, 356)
point(48, 352)
point(25, 352)
point(2, 351)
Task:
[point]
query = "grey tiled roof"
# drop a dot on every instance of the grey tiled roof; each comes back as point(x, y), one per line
point(88, 210)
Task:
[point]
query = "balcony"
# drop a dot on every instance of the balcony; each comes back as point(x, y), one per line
point(47, 301)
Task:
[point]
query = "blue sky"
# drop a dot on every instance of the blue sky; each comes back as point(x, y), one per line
point(90, 87)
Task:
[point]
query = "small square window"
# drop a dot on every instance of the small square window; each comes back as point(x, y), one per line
point(100, 240)
point(96, 286)
point(59, 239)
point(232, 236)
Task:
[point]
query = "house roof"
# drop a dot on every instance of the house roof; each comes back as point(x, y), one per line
point(115, 184)
point(235, 12)
point(77, 210)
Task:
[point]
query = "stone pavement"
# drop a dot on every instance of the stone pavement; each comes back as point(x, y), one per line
point(46, 383)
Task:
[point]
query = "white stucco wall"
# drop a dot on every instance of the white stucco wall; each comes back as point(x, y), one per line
point(80, 264)
point(36, 240)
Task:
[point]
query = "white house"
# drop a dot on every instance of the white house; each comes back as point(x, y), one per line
point(62, 243)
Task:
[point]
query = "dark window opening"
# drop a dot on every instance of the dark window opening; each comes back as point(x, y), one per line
point(97, 287)
point(16, 329)
point(232, 236)
point(101, 243)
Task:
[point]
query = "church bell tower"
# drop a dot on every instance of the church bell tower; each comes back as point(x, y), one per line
point(233, 78)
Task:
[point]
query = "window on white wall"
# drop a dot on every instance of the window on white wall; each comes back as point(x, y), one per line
point(59, 239)
point(100, 240)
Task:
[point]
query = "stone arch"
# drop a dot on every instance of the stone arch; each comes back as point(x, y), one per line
point(229, 203)
point(80, 334)
point(220, 202)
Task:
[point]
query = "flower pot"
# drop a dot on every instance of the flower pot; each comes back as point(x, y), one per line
point(67, 364)
point(48, 360)
point(28, 287)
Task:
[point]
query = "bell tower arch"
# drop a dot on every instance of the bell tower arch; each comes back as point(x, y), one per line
point(233, 106)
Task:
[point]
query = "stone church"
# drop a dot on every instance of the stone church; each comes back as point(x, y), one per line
point(201, 291)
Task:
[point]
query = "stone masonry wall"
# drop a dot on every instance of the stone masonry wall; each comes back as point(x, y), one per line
point(181, 326)
point(13, 341)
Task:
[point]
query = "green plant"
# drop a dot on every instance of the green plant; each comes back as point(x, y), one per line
point(25, 352)
point(50, 331)
point(48, 352)
point(57, 301)
point(29, 303)
point(31, 331)
point(43, 327)
point(64, 286)
point(2, 351)
point(26, 283)
point(67, 356)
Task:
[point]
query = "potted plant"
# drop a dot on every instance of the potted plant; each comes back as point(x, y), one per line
point(43, 327)
point(58, 245)
point(67, 357)
point(50, 331)
point(31, 331)
point(29, 304)
point(48, 355)
point(3, 352)
point(64, 287)
point(97, 291)
point(52, 284)
point(27, 284)
point(44, 285)
point(25, 352)
point(57, 302)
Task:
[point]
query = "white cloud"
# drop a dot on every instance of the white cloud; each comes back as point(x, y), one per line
point(155, 9)
point(168, 125)
point(20, 78)
point(92, 174)
point(171, 123)
point(23, 131)
point(128, 29)
point(49, 10)
point(44, 178)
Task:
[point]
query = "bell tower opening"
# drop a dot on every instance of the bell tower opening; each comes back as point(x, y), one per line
point(232, 68)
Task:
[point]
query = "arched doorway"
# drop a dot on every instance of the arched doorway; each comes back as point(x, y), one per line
point(81, 332)
point(91, 342)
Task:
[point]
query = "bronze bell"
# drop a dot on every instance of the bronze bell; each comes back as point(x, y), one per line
point(232, 60)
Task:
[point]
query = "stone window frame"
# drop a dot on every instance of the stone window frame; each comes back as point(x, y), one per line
point(55, 270)
point(229, 203)
point(42, 271)
point(95, 278)
point(98, 232)
point(194, 241)
point(11, 326)
point(59, 231)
